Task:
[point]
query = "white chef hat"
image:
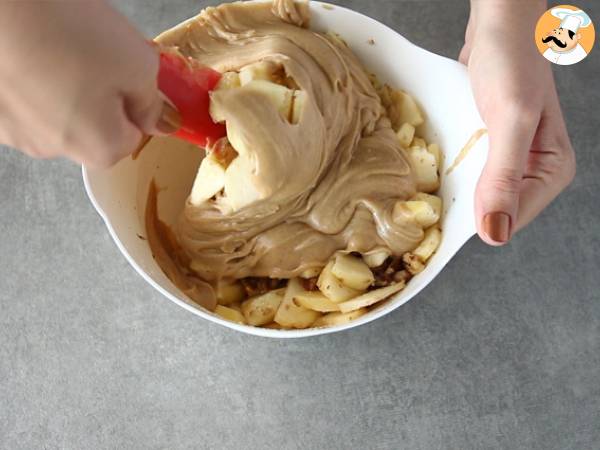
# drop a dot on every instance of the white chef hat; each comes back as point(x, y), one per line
point(572, 20)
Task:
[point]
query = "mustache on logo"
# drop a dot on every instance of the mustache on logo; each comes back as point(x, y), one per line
point(556, 41)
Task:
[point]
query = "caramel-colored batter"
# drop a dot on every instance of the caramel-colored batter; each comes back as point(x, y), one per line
point(329, 183)
point(464, 152)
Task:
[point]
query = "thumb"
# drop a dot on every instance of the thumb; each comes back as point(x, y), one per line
point(499, 188)
point(152, 112)
point(146, 106)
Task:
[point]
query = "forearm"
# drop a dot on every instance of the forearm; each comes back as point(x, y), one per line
point(52, 32)
point(507, 15)
point(507, 8)
point(78, 80)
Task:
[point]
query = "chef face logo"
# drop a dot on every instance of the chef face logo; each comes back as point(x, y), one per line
point(561, 40)
point(565, 35)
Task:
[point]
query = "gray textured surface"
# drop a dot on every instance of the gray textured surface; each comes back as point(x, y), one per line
point(502, 351)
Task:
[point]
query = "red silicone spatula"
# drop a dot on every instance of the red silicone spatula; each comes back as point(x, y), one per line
point(188, 84)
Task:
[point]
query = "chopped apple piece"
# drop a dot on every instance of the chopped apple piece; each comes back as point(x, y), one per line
point(409, 111)
point(264, 70)
point(352, 272)
point(279, 96)
point(230, 314)
point(315, 301)
point(433, 200)
point(338, 318)
point(310, 273)
point(376, 259)
point(425, 169)
point(261, 310)
point(435, 150)
point(406, 134)
point(237, 306)
point(401, 107)
point(209, 181)
point(431, 242)
point(423, 212)
point(370, 298)
point(333, 288)
point(413, 263)
point(229, 292)
point(426, 211)
point(229, 80)
point(239, 190)
point(419, 142)
point(289, 315)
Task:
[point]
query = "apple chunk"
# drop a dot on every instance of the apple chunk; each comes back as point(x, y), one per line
point(230, 314)
point(315, 301)
point(425, 168)
point(425, 209)
point(210, 180)
point(261, 310)
point(370, 298)
point(229, 292)
point(289, 314)
point(333, 288)
point(352, 272)
point(263, 70)
point(338, 318)
point(239, 190)
point(280, 96)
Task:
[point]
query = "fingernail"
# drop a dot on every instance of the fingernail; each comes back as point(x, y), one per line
point(497, 226)
point(170, 120)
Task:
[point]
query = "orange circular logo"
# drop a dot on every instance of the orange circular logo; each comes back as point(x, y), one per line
point(565, 35)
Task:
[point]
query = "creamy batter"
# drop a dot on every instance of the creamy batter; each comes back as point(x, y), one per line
point(327, 184)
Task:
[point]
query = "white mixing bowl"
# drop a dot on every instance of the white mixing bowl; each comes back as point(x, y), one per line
point(439, 84)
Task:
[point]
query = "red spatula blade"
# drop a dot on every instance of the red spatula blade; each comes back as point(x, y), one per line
point(188, 84)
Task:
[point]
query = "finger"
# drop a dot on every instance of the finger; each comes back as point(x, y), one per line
point(147, 107)
point(550, 168)
point(537, 193)
point(108, 137)
point(497, 196)
point(128, 138)
point(464, 54)
point(152, 113)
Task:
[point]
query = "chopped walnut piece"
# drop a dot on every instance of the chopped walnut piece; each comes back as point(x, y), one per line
point(385, 274)
point(257, 286)
point(223, 152)
point(403, 275)
point(310, 284)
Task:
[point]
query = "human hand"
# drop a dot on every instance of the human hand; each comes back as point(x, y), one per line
point(531, 159)
point(77, 80)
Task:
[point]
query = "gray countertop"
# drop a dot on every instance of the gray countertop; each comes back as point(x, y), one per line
point(501, 351)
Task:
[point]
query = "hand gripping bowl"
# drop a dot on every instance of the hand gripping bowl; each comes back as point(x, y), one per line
point(439, 84)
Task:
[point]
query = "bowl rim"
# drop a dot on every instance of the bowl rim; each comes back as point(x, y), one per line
point(393, 304)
